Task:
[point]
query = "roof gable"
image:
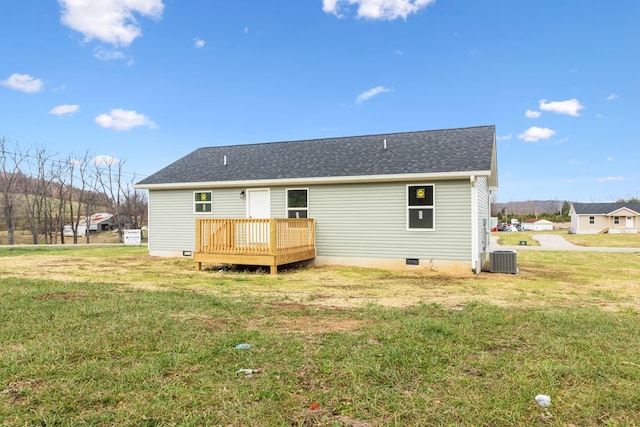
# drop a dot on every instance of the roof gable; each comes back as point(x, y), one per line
point(465, 150)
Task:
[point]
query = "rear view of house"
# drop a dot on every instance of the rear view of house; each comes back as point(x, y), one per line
point(613, 218)
point(397, 200)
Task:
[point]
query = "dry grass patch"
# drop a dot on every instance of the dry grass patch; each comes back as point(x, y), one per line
point(609, 280)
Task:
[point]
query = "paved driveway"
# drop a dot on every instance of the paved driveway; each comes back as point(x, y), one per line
point(554, 242)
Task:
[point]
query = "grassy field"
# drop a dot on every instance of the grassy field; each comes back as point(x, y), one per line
point(106, 335)
point(23, 237)
point(590, 240)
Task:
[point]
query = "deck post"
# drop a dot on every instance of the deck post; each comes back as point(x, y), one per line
point(273, 236)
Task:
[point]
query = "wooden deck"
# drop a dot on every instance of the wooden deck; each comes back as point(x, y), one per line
point(267, 242)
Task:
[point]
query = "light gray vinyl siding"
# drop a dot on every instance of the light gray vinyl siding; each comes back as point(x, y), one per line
point(369, 220)
point(355, 220)
point(171, 224)
point(172, 221)
point(483, 219)
point(278, 202)
point(484, 213)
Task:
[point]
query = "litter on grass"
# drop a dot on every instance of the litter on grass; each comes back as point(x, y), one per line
point(248, 371)
point(543, 400)
point(243, 347)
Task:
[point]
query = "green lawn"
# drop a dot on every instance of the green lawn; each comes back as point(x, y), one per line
point(508, 238)
point(110, 351)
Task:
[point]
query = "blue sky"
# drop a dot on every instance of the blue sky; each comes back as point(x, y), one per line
point(148, 81)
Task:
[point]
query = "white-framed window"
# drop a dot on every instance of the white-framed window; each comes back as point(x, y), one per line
point(616, 220)
point(592, 220)
point(420, 207)
point(297, 203)
point(202, 202)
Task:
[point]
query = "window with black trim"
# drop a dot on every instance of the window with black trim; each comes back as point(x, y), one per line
point(298, 203)
point(202, 202)
point(616, 220)
point(420, 207)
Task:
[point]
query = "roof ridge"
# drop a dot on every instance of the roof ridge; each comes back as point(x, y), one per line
point(347, 137)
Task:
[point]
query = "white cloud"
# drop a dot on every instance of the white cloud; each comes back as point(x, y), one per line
point(119, 119)
point(611, 179)
point(331, 6)
point(535, 134)
point(23, 83)
point(610, 158)
point(104, 160)
point(199, 43)
point(246, 30)
point(371, 93)
point(570, 107)
point(110, 21)
point(612, 97)
point(64, 109)
point(532, 114)
point(376, 9)
point(504, 137)
point(111, 55)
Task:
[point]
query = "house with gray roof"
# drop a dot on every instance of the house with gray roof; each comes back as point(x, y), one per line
point(597, 218)
point(397, 200)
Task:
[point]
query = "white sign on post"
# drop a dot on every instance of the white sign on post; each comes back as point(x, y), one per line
point(132, 237)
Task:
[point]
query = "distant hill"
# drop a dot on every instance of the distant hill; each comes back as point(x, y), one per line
point(529, 207)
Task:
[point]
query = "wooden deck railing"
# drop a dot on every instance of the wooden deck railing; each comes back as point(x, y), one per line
point(269, 241)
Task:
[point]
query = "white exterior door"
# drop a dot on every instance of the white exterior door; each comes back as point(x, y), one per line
point(629, 222)
point(258, 203)
point(258, 206)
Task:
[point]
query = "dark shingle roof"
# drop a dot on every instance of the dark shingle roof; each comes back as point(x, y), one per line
point(436, 151)
point(603, 208)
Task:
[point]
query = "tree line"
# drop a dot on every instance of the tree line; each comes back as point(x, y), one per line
point(41, 193)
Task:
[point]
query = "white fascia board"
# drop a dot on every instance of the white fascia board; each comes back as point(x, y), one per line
point(315, 181)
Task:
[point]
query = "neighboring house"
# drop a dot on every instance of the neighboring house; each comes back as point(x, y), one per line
point(396, 200)
point(613, 218)
point(97, 223)
point(536, 225)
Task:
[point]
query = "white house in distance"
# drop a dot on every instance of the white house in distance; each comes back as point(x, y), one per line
point(409, 200)
point(612, 218)
point(536, 225)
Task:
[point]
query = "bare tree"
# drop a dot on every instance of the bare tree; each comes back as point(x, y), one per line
point(135, 206)
point(9, 177)
point(57, 203)
point(108, 172)
point(36, 192)
point(79, 196)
